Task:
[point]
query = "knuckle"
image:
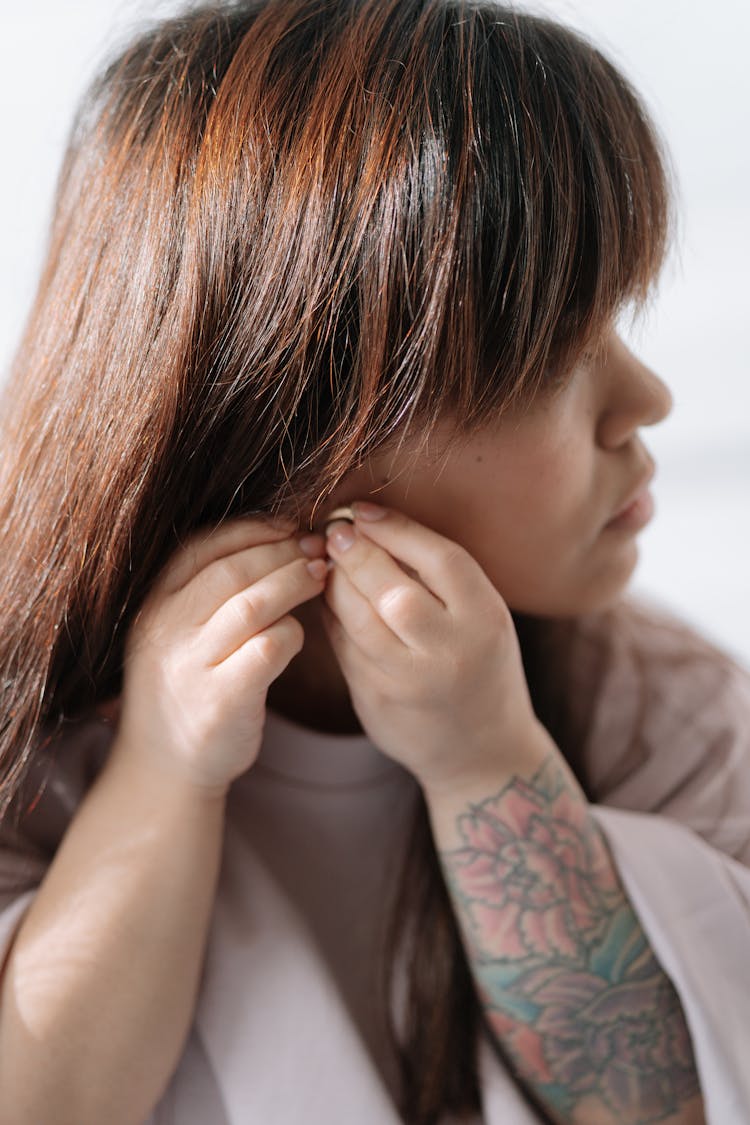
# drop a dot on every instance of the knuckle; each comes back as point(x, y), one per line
point(232, 571)
point(268, 648)
point(401, 602)
point(199, 549)
point(251, 605)
point(275, 645)
point(295, 632)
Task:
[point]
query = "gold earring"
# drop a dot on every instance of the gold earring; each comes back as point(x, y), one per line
point(342, 513)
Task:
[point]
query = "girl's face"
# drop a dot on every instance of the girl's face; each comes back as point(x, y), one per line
point(529, 495)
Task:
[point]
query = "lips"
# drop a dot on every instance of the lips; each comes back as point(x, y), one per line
point(635, 492)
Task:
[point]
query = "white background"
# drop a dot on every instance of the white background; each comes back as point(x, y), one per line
point(689, 62)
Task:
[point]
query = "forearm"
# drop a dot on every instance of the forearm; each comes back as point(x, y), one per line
point(569, 984)
point(98, 991)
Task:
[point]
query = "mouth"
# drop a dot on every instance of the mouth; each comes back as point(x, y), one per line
point(637, 514)
point(637, 508)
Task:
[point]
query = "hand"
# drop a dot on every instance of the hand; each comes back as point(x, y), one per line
point(431, 657)
point(208, 641)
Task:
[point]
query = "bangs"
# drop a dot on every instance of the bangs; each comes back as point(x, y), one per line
point(540, 191)
point(572, 184)
point(376, 214)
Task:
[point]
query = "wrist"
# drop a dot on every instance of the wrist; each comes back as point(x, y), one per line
point(148, 771)
point(506, 757)
point(520, 758)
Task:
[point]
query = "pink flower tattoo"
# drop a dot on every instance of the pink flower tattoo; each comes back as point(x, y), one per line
point(569, 984)
point(535, 873)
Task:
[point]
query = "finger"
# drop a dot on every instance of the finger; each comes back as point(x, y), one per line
point(403, 603)
point(228, 576)
point(208, 544)
point(356, 616)
point(265, 656)
point(252, 610)
point(351, 659)
point(446, 568)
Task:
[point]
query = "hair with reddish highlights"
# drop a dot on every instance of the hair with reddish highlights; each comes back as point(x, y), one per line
point(284, 232)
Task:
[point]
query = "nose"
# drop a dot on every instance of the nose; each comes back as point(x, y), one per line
point(636, 397)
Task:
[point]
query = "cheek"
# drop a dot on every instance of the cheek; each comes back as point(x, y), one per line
point(535, 535)
point(524, 514)
point(550, 558)
point(551, 497)
point(512, 511)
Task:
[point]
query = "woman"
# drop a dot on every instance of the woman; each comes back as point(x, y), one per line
point(307, 255)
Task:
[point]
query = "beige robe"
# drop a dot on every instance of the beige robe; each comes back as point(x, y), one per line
point(285, 1030)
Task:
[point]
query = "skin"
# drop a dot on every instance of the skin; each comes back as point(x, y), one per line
point(412, 640)
point(569, 985)
point(516, 494)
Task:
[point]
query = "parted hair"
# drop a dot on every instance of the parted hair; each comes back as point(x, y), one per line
point(284, 232)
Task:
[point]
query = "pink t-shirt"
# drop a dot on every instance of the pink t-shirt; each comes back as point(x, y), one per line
point(285, 1027)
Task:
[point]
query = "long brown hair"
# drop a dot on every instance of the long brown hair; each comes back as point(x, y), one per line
point(284, 232)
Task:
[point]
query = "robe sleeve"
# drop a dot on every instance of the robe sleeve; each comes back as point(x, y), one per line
point(667, 761)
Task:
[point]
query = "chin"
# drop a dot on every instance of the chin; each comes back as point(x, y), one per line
point(589, 593)
point(610, 585)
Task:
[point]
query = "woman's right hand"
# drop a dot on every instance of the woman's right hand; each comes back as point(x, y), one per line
point(210, 638)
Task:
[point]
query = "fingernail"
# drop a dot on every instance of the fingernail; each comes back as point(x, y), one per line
point(311, 545)
point(317, 568)
point(368, 511)
point(341, 534)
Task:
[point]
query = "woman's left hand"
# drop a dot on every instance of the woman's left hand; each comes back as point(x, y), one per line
point(432, 663)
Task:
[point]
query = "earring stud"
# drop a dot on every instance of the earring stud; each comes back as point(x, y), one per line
point(342, 513)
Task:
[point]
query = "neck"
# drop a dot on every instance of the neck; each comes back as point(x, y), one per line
point(312, 690)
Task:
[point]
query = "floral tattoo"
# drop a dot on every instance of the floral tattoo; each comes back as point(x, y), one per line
point(568, 981)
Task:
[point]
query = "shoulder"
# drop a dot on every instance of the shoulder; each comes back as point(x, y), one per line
point(640, 660)
point(663, 714)
point(660, 632)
